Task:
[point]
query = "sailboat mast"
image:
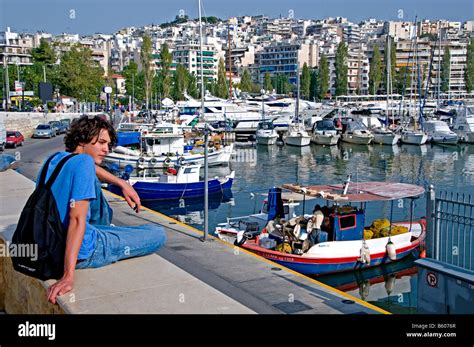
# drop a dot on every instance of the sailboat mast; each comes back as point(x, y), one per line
point(229, 51)
point(439, 64)
point(297, 106)
point(206, 138)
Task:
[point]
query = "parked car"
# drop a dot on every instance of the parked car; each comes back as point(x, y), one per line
point(56, 126)
point(66, 123)
point(3, 135)
point(14, 138)
point(44, 130)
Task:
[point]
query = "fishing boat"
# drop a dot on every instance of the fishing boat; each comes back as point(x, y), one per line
point(229, 230)
point(183, 182)
point(347, 244)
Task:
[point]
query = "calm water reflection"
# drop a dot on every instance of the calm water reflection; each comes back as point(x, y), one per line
point(258, 169)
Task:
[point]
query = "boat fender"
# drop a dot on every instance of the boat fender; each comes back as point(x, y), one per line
point(153, 161)
point(364, 289)
point(141, 160)
point(391, 252)
point(364, 253)
point(390, 283)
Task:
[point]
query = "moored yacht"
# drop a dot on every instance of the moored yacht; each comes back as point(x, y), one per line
point(325, 133)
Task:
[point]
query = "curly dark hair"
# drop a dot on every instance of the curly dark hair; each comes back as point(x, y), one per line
point(85, 129)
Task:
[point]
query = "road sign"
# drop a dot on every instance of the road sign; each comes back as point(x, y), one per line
point(432, 279)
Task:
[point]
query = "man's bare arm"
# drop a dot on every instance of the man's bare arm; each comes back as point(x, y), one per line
point(75, 235)
point(128, 192)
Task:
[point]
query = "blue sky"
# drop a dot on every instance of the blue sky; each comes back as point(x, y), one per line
point(107, 16)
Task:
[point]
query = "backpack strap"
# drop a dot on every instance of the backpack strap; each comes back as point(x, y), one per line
point(42, 179)
point(57, 170)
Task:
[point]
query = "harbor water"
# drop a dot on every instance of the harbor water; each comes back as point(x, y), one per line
point(259, 168)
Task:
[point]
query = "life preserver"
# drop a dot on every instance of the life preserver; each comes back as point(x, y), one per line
point(141, 160)
point(181, 161)
point(153, 161)
point(167, 161)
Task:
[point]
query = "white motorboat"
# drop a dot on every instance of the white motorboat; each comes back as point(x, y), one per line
point(357, 133)
point(439, 132)
point(297, 135)
point(325, 133)
point(266, 133)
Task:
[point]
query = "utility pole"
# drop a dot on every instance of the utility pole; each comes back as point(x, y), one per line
point(7, 83)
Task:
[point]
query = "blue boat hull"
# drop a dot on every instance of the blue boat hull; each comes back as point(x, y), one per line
point(161, 191)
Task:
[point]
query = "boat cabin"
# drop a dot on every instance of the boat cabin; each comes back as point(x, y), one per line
point(185, 174)
point(161, 144)
point(266, 126)
point(346, 223)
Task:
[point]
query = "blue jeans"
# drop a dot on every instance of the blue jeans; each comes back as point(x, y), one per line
point(117, 243)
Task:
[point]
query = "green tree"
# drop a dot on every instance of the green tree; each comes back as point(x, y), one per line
point(305, 81)
point(267, 82)
point(469, 73)
point(323, 76)
point(134, 81)
point(222, 88)
point(314, 85)
point(246, 81)
point(192, 85)
point(445, 70)
point(393, 61)
point(79, 75)
point(165, 66)
point(375, 73)
point(145, 59)
point(44, 53)
point(282, 84)
point(399, 80)
point(180, 82)
point(341, 69)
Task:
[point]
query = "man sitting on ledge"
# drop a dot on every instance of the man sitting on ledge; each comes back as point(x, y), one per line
point(91, 241)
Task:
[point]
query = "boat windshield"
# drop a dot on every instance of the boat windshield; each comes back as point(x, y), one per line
point(325, 124)
point(266, 126)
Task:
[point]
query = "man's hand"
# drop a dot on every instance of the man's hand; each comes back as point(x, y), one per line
point(131, 196)
point(61, 287)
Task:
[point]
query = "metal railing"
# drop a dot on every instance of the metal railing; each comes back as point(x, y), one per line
point(450, 228)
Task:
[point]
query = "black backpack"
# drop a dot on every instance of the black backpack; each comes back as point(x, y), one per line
point(40, 227)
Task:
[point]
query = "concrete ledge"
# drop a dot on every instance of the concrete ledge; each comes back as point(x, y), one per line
point(147, 284)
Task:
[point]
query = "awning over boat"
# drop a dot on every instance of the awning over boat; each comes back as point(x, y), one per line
point(360, 191)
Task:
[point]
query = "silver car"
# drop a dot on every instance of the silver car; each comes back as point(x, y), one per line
point(44, 130)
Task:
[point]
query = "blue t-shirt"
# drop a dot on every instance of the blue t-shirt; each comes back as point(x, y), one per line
point(75, 182)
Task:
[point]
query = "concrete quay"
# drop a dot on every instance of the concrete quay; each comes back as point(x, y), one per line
point(186, 276)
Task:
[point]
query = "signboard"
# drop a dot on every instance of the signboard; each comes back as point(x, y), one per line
point(108, 90)
point(18, 86)
point(45, 91)
point(432, 279)
point(27, 93)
